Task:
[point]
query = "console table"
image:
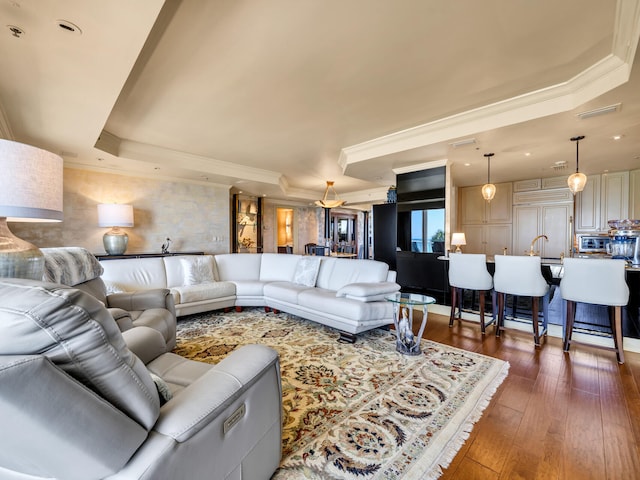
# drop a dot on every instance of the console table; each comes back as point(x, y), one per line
point(144, 255)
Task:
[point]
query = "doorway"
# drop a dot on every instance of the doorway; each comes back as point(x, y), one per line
point(344, 232)
point(285, 241)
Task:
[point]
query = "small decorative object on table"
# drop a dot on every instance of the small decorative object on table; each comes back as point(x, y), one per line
point(165, 246)
point(403, 304)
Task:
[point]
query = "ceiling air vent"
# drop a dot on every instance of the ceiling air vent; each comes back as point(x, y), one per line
point(600, 111)
point(558, 166)
point(462, 143)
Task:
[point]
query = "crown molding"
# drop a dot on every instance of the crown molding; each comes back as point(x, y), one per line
point(171, 158)
point(610, 72)
point(421, 166)
point(157, 177)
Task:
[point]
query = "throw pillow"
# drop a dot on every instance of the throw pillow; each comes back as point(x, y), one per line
point(197, 270)
point(307, 271)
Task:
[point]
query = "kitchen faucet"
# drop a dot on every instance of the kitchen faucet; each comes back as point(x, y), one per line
point(531, 252)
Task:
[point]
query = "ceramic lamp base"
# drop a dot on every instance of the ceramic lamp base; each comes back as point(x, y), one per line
point(115, 242)
point(18, 259)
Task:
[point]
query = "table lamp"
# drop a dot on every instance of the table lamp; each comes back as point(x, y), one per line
point(30, 191)
point(115, 215)
point(458, 239)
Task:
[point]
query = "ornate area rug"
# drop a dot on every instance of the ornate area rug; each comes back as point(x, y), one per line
point(360, 411)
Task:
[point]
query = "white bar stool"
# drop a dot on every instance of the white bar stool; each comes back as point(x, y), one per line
point(598, 282)
point(468, 271)
point(522, 276)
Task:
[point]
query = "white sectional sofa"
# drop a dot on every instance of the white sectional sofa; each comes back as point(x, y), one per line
point(345, 294)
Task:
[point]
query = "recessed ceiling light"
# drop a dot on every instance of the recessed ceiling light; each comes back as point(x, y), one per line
point(68, 27)
point(527, 154)
point(467, 164)
point(617, 137)
point(15, 31)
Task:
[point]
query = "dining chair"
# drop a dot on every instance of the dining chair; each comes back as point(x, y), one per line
point(595, 282)
point(468, 271)
point(521, 276)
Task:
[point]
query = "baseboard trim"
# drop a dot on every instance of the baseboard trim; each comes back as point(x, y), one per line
point(630, 344)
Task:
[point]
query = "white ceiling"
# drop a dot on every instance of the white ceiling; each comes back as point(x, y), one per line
point(276, 97)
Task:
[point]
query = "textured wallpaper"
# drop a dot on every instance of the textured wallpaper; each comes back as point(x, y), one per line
point(194, 216)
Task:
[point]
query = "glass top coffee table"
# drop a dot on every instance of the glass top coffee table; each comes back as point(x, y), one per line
point(403, 304)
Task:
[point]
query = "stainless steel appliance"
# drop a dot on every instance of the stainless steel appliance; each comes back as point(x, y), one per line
point(593, 243)
point(625, 240)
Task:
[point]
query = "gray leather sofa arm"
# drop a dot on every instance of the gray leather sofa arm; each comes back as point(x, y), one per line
point(142, 300)
point(33, 419)
point(204, 401)
point(145, 342)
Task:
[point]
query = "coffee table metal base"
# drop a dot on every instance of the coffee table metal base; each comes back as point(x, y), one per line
point(403, 304)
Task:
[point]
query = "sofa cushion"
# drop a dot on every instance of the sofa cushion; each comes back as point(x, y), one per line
point(278, 267)
point(175, 271)
point(284, 291)
point(238, 266)
point(307, 271)
point(325, 301)
point(342, 271)
point(249, 288)
point(197, 270)
point(368, 291)
point(136, 274)
point(205, 291)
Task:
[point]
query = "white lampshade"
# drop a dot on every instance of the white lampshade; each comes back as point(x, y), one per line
point(458, 239)
point(30, 191)
point(30, 184)
point(115, 215)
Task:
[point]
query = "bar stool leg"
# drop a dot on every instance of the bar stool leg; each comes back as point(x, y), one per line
point(616, 326)
point(534, 319)
point(454, 294)
point(482, 326)
point(568, 329)
point(500, 312)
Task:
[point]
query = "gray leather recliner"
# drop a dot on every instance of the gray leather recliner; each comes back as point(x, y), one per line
point(77, 403)
point(77, 267)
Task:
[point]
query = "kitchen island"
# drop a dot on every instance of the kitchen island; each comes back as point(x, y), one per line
point(428, 274)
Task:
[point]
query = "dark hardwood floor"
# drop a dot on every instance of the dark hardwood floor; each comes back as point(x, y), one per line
point(556, 416)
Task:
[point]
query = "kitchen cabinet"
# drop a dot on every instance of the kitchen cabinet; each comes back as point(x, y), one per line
point(605, 197)
point(550, 219)
point(486, 225)
point(487, 239)
point(614, 198)
point(634, 194)
point(475, 210)
point(588, 206)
